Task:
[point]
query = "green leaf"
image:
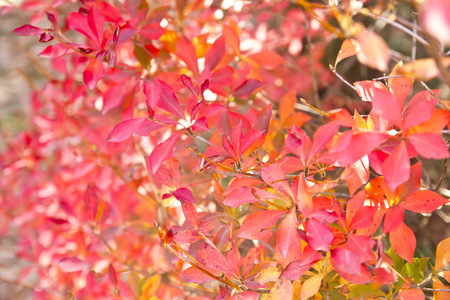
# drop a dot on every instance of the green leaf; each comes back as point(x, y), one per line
point(417, 269)
point(364, 291)
point(142, 56)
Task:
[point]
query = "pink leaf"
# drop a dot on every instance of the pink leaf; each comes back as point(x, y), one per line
point(256, 225)
point(168, 101)
point(374, 52)
point(186, 52)
point(323, 135)
point(429, 145)
point(424, 202)
point(91, 202)
point(78, 22)
point(162, 152)
point(112, 275)
point(96, 21)
point(365, 88)
point(274, 176)
point(240, 196)
point(403, 242)
point(297, 268)
point(125, 129)
point(186, 236)
point(194, 275)
point(72, 264)
point(396, 167)
point(93, 73)
point(362, 246)
point(434, 18)
point(54, 51)
point(215, 54)
point(185, 195)
point(152, 92)
point(247, 88)
point(248, 295)
point(345, 261)
point(152, 31)
point(27, 30)
point(190, 213)
point(249, 261)
point(288, 235)
point(319, 235)
point(387, 106)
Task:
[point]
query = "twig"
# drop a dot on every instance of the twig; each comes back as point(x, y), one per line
point(444, 173)
point(431, 48)
point(342, 78)
point(367, 12)
point(434, 95)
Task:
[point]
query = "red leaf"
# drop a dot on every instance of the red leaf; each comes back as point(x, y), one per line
point(396, 167)
point(72, 264)
point(125, 129)
point(384, 276)
point(251, 141)
point(424, 202)
point(374, 52)
point(393, 218)
point(190, 213)
point(215, 260)
point(268, 59)
point(400, 86)
point(345, 261)
point(27, 30)
point(234, 257)
point(362, 246)
point(162, 152)
point(319, 235)
point(255, 224)
point(363, 218)
point(387, 106)
point(215, 54)
point(429, 145)
point(288, 235)
point(240, 196)
point(186, 52)
point(185, 195)
point(93, 73)
point(54, 51)
point(194, 275)
point(403, 242)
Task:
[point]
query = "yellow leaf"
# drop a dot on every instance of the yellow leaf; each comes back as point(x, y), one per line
point(311, 286)
point(437, 284)
point(268, 275)
point(151, 285)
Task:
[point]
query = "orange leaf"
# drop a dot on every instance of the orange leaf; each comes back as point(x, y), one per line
point(443, 254)
point(403, 242)
point(287, 106)
point(423, 69)
point(348, 48)
point(268, 59)
point(437, 284)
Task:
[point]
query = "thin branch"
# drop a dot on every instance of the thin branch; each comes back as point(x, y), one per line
point(367, 12)
point(444, 173)
point(342, 78)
